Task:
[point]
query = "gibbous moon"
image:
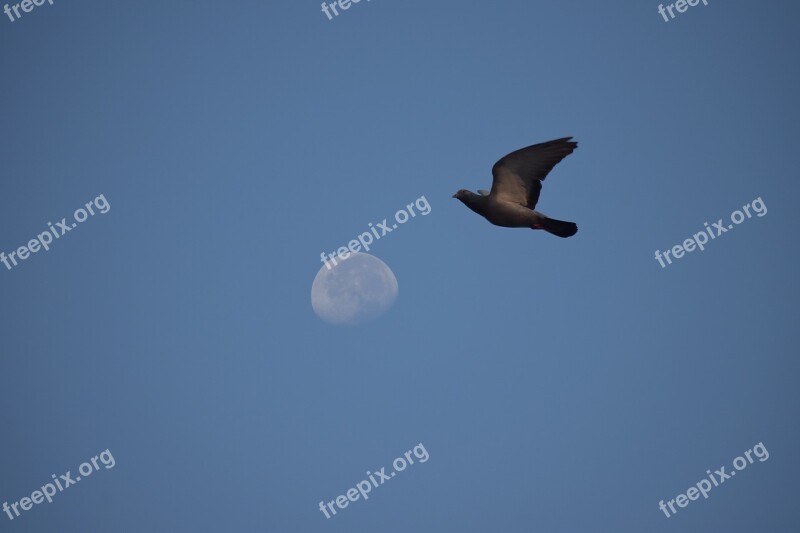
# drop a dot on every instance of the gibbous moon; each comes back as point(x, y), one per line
point(359, 289)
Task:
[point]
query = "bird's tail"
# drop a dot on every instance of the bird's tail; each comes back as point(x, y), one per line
point(559, 227)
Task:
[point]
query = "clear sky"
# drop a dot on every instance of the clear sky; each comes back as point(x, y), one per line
point(557, 384)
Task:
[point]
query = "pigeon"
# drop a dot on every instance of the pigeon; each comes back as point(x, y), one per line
point(517, 181)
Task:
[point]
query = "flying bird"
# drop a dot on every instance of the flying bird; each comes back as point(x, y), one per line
point(517, 181)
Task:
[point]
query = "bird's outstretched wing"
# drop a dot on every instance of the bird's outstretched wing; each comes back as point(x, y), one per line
point(518, 176)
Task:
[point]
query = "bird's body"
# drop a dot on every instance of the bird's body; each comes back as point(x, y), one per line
point(509, 215)
point(516, 186)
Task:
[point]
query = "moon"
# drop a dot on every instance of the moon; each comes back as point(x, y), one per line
point(356, 290)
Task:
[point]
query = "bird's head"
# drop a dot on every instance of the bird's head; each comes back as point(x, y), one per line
point(476, 202)
point(464, 195)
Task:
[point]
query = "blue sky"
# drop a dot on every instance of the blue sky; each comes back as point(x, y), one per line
point(557, 384)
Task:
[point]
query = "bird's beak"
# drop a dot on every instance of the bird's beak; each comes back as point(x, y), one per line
point(454, 195)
